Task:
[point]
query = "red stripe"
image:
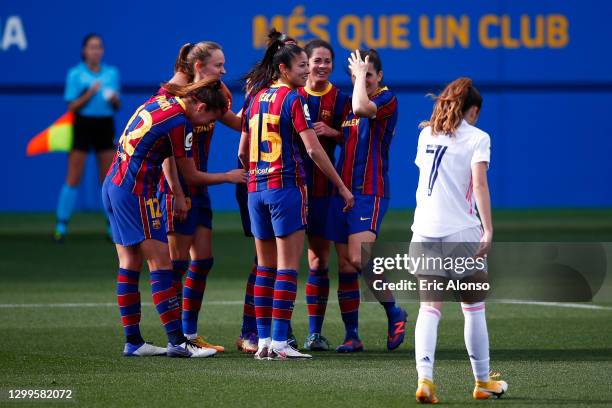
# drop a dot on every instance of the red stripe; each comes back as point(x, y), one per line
point(128, 299)
point(284, 295)
point(375, 214)
point(316, 310)
point(126, 279)
point(170, 316)
point(130, 320)
point(283, 314)
point(263, 291)
point(380, 184)
point(348, 286)
point(143, 217)
point(191, 305)
point(368, 177)
point(263, 311)
point(349, 156)
point(347, 306)
point(312, 290)
point(164, 295)
point(194, 284)
point(266, 274)
point(304, 194)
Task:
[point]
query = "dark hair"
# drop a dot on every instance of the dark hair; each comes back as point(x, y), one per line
point(458, 96)
point(86, 41)
point(207, 90)
point(318, 43)
point(281, 50)
point(374, 58)
point(190, 53)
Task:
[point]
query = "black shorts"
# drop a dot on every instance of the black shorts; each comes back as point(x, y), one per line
point(242, 198)
point(97, 133)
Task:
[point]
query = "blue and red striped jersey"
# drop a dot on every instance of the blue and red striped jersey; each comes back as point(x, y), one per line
point(328, 107)
point(273, 120)
point(157, 130)
point(364, 156)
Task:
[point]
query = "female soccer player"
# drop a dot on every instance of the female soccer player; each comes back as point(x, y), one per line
point(159, 128)
point(276, 117)
point(92, 93)
point(326, 105)
point(192, 237)
point(367, 130)
point(453, 157)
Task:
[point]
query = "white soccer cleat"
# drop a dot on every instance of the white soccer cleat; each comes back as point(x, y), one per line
point(189, 349)
point(262, 353)
point(287, 353)
point(143, 350)
point(488, 389)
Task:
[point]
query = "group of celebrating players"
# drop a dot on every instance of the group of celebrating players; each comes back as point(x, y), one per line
point(155, 195)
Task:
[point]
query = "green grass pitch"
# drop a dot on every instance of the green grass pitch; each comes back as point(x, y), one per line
point(551, 356)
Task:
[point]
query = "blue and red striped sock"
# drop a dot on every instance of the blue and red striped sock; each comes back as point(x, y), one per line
point(349, 299)
point(193, 293)
point(249, 321)
point(128, 299)
point(179, 268)
point(164, 299)
point(263, 298)
point(285, 289)
point(317, 292)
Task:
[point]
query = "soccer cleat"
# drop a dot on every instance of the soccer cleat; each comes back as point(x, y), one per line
point(316, 342)
point(262, 354)
point(396, 330)
point(201, 342)
point(59, 235)
point(189, 349)
point(292, 341)
point(286, 353)
point(350, 346)
point(143, 350)
point(488, 389)
point(247, 343)
point(426, 392)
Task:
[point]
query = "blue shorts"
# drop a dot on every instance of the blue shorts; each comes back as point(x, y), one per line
point(200, 213)
point(132, 218)
point(278, 212)
point(318, 208)
point(366, 215)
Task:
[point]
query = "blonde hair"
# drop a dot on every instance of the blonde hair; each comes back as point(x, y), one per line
point(190, 53)
point(451, 105)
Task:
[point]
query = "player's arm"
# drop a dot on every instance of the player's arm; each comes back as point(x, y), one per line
point(171, 174)
point(321, 129)
point(243, 149)
point(483, 203)
point(318, 155)
point(77, 104)
point(361, 103)
point(232, 120)
point(193, 176)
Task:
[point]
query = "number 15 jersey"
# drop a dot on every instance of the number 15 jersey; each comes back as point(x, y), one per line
point(273, 120)
point(445, 199)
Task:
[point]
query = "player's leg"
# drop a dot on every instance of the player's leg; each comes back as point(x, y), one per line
point(247, 341)
point(69, 191)
point(317, 291)
point(264, 293)
point(195, 284)
point(348, 299)
point(178, 245)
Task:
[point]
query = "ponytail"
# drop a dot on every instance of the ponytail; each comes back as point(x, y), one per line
point(207, 90)
point(451, 105)
point(190, 53)
point(281, 50)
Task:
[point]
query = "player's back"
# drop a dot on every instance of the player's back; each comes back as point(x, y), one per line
point(275, 117)
point(158, 129)
point(445, 202)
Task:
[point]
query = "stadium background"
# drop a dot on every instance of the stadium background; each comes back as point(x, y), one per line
point(543, 67)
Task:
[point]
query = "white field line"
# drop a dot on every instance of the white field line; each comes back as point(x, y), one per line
point(239, 302)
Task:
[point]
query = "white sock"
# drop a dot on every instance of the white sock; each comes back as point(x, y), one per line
point(425, 337)
point(191, 336)
point(278, 345)
point(476, 338)
point(265, 342)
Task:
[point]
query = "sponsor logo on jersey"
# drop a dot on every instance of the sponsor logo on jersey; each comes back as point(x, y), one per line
point(306, 112)
point(326, 115)
point(188, 141)
point(260, 172)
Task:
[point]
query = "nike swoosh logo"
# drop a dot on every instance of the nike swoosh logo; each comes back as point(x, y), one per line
point(364, 219)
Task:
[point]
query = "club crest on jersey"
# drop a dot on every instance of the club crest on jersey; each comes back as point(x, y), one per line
point(326, 115)
point(156, 224)
point(188, 141)
point(306, 112)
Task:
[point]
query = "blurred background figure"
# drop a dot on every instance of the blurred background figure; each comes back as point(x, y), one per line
point(92, 93)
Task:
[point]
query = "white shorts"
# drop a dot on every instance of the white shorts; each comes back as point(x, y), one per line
point(448, 256)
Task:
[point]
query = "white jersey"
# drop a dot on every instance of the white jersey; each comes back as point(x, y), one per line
point(445, 199)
